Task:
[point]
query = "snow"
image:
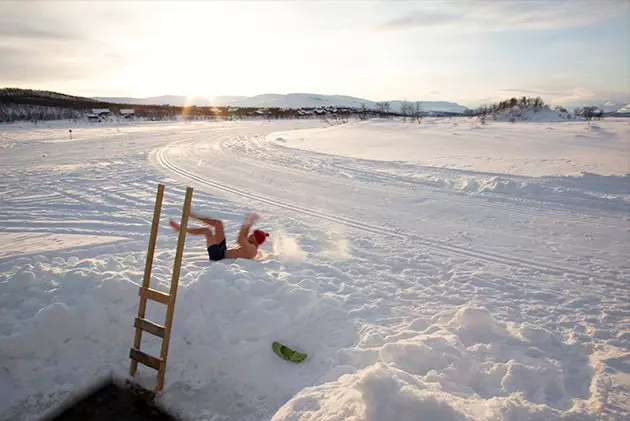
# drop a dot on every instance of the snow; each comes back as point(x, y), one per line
point(17, 243)
point(442, 271)
point(465, 144)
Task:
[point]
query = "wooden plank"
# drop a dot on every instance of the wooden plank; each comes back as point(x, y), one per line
point(147, 271)
point(146, 359)
point(155, 295)
point(170, 309)
point(149, 326)
point(152, 239)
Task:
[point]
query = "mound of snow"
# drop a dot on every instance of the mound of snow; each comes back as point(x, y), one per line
point(77, 315)
point(374, 394)
point(466, 366)
point(532, 149)
point(544, 114)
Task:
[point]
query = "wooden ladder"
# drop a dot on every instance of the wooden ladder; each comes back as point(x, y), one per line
point(146, 293)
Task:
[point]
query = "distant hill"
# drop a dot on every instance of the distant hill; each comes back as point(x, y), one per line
point(290, 101)
point(530, 113)
point(301, 100)
point(433, 106)
point(34, 105)
point(21, 94)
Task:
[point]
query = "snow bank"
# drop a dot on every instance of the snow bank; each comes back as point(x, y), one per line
point(533, 148)
point(77, 315)
point(461, 364)
point(376, 393)
point(464, 366)
point(541, 115)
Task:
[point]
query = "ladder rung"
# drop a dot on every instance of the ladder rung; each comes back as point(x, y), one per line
point(155, 295)
point(146, 359)
point(149, 326)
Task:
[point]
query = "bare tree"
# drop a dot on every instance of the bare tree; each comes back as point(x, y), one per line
point(417, 112)
point(383, 107)
point(406, 109)
point(364, 112)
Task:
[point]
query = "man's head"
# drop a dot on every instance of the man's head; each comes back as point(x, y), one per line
point(258, 237)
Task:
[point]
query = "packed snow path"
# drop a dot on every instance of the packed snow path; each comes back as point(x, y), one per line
point(457, 291)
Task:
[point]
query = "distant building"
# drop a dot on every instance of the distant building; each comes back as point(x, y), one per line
point(101, 112)
point(127, 113)
point(92, 117)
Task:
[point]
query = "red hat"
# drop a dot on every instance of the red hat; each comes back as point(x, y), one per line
point(260, 236)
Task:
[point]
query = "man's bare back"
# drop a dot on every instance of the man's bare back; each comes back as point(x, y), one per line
point(247, 244)
point(247, 252)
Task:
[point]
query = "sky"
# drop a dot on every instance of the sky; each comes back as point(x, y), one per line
point(470, 52)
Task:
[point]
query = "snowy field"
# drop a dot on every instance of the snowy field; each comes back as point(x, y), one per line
point(444, 271)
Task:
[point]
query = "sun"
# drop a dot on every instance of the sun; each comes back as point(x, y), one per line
point(203, 49)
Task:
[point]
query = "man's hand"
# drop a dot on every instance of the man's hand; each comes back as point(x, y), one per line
point(251, 219)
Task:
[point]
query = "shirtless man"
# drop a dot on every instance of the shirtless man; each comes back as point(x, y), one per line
point(247, 247)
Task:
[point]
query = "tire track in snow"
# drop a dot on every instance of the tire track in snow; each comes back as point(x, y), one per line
point(68, 203)
point(220, 149)
point(486, 201)
point(161, 157)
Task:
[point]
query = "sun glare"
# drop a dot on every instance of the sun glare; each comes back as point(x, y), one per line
point(205, 48)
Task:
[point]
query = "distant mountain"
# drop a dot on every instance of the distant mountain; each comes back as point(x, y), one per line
point(607, 106)
point(621, 112)
point(301, 100)
point(295, 100)
point(225, 100)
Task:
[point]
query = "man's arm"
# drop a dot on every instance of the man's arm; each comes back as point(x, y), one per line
point(244, 232)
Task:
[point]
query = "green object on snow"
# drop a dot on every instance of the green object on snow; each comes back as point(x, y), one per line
point(287, 353)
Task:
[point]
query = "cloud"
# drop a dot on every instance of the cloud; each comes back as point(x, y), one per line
point(32, 29)
point(533, 92)
point(42, 61)
point(422, 19)
point(65, 42)
point(19, 65)
point(498, 16)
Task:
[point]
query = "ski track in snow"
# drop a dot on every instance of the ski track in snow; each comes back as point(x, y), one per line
point(451, 293)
